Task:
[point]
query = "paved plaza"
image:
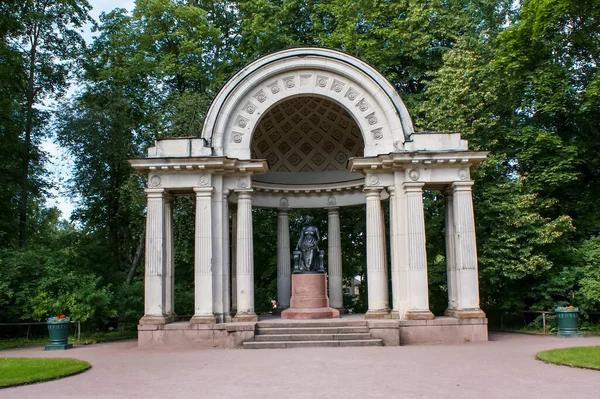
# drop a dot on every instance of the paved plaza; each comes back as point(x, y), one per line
point(504, 367)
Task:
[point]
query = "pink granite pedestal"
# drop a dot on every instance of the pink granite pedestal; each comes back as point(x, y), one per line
point(309, 298)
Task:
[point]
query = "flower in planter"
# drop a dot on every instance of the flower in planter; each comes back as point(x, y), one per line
point(61, 318)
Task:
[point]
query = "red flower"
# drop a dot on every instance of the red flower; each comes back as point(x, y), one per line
point(62, 316)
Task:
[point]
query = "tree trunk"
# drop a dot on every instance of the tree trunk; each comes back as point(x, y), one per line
point(30, 96)
point(137, 257)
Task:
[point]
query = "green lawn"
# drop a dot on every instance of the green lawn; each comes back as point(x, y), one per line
point(15, 371)
point(586, 357)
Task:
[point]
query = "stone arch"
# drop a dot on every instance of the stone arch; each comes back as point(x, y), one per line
point(371, 100)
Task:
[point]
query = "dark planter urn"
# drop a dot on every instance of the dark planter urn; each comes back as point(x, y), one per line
point(567, 320)
point(59, 336)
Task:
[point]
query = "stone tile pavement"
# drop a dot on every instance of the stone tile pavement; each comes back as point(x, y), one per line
point(504, 367)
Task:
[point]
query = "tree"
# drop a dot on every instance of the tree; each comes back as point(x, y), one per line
point(49, 44)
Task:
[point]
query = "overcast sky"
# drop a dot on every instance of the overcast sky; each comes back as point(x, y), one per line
point(59, 163)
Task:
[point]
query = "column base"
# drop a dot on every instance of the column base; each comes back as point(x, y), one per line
point(227, 318)
point(419, 315)
point(206, 319)
point(245, 318)
point(153, 320)
point(377, 314)
point(171, 318)
point(394, 314)
point(465, 313)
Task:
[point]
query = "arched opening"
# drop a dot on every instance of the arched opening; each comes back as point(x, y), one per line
point(307, 140)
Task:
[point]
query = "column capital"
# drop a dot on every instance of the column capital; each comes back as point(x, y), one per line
point(462, 185)
point(373, 191)
point(413, 187)
point(203, 191)
point(332, 209)
point(245, 193)
point(282, 211)
point(155, 192)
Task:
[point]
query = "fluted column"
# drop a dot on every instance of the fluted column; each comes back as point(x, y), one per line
point(450, 251)
point(377, 283)
point(226, 263)
point(283, 260)
point(394, 255)
point(154, 284)
point(334, 254)
point(418, 289)
point(245, 259)
point(169, 261)
point(203, 294)
point(234, 260)
point(467, 283)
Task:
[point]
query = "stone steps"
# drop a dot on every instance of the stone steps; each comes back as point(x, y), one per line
point(312, 337)
point(311, 344)
point(311, 323)
point(312, 330)
point(311, 333)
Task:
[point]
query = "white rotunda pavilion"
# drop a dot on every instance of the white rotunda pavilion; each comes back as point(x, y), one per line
point(310, 128)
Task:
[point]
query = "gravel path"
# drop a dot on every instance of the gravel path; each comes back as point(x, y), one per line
point(504, 367)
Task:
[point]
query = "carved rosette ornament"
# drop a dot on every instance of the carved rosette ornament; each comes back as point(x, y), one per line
point(337, 86)
point(331, 201)
point(250, 108)
point(414, 174)
point(204, 180)
point(351, 94)
point(371, 118)
point(362, 105)
point(242, 122)
point(322, 81)
point(283, 202)
point(274, 87)
point(237, 137)
point(289, 82)
point(377, 134)
point(463, 174)
point(372, 180)
point(261, 97)
point(244, 182)
point(154, 181)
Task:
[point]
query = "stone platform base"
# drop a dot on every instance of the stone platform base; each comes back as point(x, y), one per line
point(189, 335)
point(310, 314)
point(441, 330)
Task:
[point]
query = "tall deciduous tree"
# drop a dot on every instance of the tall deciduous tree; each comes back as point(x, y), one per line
point(49, 43)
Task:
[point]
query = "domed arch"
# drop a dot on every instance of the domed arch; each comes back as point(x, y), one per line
point(372, 101)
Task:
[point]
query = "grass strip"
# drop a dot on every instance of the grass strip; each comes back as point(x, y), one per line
point(584, 357)
point(19, 371)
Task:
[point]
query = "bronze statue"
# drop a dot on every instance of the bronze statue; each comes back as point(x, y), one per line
point(307, 257)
